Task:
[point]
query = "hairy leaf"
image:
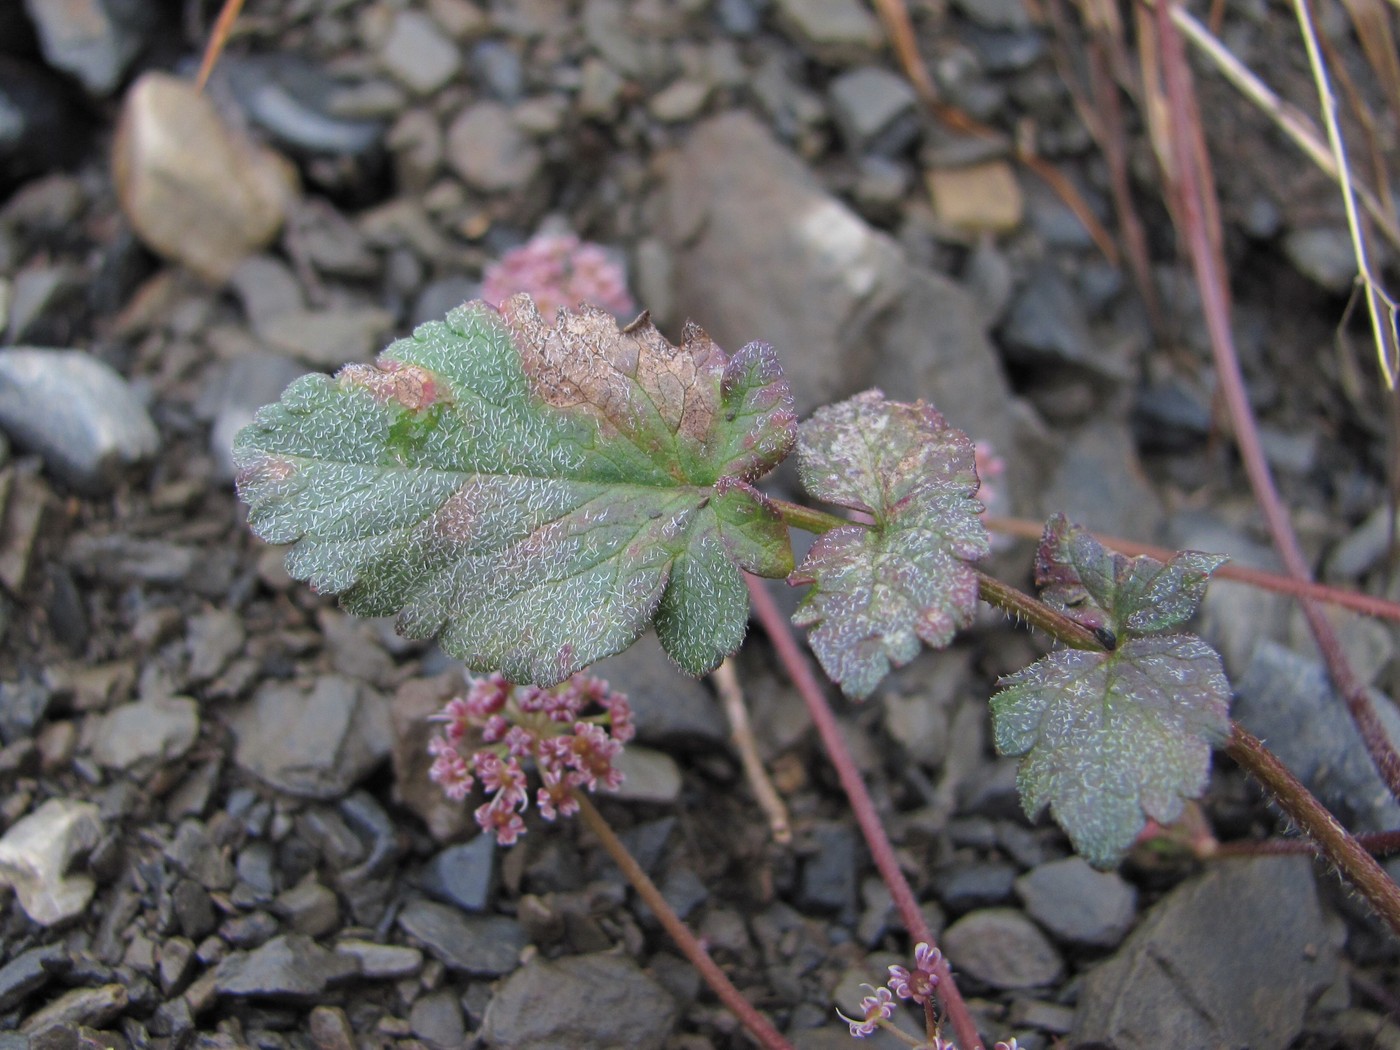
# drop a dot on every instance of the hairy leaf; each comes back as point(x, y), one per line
point(1112, 738)
point(878, 591)
point(533, 495)
point(1102, 589)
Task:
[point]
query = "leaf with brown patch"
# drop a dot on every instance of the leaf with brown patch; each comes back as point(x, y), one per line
point(534, 496)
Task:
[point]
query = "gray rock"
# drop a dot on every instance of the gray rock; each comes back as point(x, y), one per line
point(23, 705)
point(463, 875)
point(140, 736)
point(292, 967)
point(328, 338)
point(1363, 547)
point(79, 1007)
point(670, 709)
point(817, 277)
point(1046, 324)
point(194, 911)
point(195, 191)
point(418, 54)
point(94, 40)
point(488, 150)
point(1181, 979)
point(648, 776)
point(42, 298)
point(580, 1000)
point(965, 885)
point(442, 295)
point(316, 744)
point(414, 703)
point(1003, 948)
point(497, 67)
point(680, 100)
point(266, 287)
point(77, 413)
point(249, 383)
point(309, 908)
point(437, 1019)
point(381, 961)
point(37, 853)
point(997, 14)
point(1078, 904)
point(834, 30)
point(1324, 254)
point(1099, 480)
point(1289, 701)
point(829, 873)
point(478, 945)
point(193, 853)
point(876, 110)
point(29, 971)
point(214, 638)
point(293, 101)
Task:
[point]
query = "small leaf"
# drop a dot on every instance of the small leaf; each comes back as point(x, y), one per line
point(878, 591)
point(1109, 737)
point(533, 495)
point(1112, 738)
point(1100, 588)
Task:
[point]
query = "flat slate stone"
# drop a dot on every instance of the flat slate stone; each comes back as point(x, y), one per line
point(479, 945)
point(1231, 958)
point(292, 967)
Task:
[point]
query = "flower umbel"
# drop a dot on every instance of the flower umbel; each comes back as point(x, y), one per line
point(918, 983)
point(877, 1006)
point(559, 271)
point(570, 734)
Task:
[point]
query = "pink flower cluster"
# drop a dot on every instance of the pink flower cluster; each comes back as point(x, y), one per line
point(559, 271)
point(916, 984)
point(570, 734)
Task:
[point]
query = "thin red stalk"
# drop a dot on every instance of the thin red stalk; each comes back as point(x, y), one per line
point(1339, 847)
point(1202, 231)
point(862, 805)
point(1377, 843)
point(759, 1026)
point(1368, 604)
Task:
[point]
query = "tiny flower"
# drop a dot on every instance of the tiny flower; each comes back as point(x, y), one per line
point(918, 983)
point(877, 1006)
point(1009, 1044)
point(559, 272)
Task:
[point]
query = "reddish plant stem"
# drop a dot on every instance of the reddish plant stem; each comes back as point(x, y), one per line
point(1377, 843)
point(759, 1026)
point(1368, 604)
point(862, 805)
point(1343, 851)
point(1036, 613)
point(1196, 195)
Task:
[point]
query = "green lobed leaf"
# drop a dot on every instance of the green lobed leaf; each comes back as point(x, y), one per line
point(878, 592)
point(533, 495)
point(1103, 589)
point(1112, 738)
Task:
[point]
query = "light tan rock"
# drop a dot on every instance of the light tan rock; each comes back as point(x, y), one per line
point(195, 191)
point(979, 198)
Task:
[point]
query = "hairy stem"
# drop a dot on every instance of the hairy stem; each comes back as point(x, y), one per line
point(1335, 843)
point(1200, 220)
point(1368, 604)
point(1376, 843)
point(862, 805)
point(809, 519)
point(1036, 613)
point(758, 1025)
